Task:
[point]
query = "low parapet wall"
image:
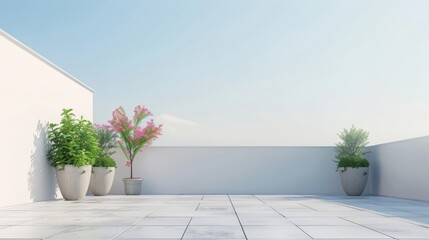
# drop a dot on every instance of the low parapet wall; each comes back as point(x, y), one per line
point(233, 170)
point(400, 169)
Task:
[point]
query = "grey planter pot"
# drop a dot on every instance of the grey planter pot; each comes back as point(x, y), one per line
point(354, 180)
point(101, 180)
point(133, 186)
point(73, 181)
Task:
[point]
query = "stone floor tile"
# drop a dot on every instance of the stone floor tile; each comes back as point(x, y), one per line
point(163, 221)
point(213, 232)
point(58, 222)
point(378, 221)
point(5, 221)
point(403, 231)
point(342, 232)
point(264, 221)
point(209, 221)
point(334, 221)
point(114, 221)
point(31, 231)
point(90, 232)
point(154, 232)
point(274, 232)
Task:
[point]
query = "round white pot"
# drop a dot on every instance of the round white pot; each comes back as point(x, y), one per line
point(73, 181)
point(101, 180)
point(354, 180)
point(133, 186)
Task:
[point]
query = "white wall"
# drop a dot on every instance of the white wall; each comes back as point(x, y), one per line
point(33, 92)
point(400, 169)
point(233, 170)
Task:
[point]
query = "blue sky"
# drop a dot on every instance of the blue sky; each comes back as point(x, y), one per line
point(243, 72)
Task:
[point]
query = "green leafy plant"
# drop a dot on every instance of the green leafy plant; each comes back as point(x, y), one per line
point(353, 162)
point(107, 139)
point(72, 142)
point(104, 160)
point(350, 149)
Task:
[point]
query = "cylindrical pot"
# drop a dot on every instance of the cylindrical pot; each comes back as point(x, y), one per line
point(133, 186)
point(101, 180)
point(354, 180)
point(73, 181)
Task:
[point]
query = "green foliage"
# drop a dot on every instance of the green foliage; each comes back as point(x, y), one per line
point(107, 140)
point(349, 150)
point(73, 141)
point(104, 160)
point(353, 162)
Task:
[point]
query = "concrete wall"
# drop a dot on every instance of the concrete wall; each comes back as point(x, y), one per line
point(397, 169)
point(400, 169)
point(233, 170)
point(33, 92)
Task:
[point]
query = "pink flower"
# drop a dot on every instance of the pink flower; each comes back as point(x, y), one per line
point(140, 134)
point(120, 121)
point(128, 163)
point(140, 113)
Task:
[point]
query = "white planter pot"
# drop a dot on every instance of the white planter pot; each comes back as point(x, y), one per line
point(101, 180)
point(354, 180)
point(73, 181)
point(133, 186)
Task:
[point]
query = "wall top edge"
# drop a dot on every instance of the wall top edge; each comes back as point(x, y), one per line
point(374, 145)
point(241, 146)
point(401, 140)
point(41, 58)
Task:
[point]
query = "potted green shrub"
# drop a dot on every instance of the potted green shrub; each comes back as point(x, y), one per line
point(351, 163)
point(73, 149)
point(103, 170)
point(133, 138)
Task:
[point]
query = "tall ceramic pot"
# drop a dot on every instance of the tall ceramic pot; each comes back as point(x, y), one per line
point(354, 180)
point(101, 180)
point(133, 186)
point(73, 181)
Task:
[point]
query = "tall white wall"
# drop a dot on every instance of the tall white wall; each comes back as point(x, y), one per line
point(233, 170)
point(400, 169)
point(33, 92)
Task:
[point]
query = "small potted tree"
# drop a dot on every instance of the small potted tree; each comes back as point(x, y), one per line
point(351, 163)
point(73, 149)
point(133, 138)
point(103, 170)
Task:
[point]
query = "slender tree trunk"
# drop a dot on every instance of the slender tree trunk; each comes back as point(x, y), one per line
point(131, 159)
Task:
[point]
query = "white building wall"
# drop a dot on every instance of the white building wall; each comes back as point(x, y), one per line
point(233, 170)
point(33, 92)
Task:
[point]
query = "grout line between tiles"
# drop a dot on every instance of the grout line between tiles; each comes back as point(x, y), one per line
point(367, 227)
point(233, 207)
point(284, 217)
point(186, 229)
point(132, 225)
point(59, 232)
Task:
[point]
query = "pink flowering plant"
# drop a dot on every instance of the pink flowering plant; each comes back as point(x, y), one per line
point(134, 137)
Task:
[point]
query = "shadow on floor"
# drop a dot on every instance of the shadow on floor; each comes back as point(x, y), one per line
point(414, 211)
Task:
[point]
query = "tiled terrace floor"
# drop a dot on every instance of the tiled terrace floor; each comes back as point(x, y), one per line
point(218, 217)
